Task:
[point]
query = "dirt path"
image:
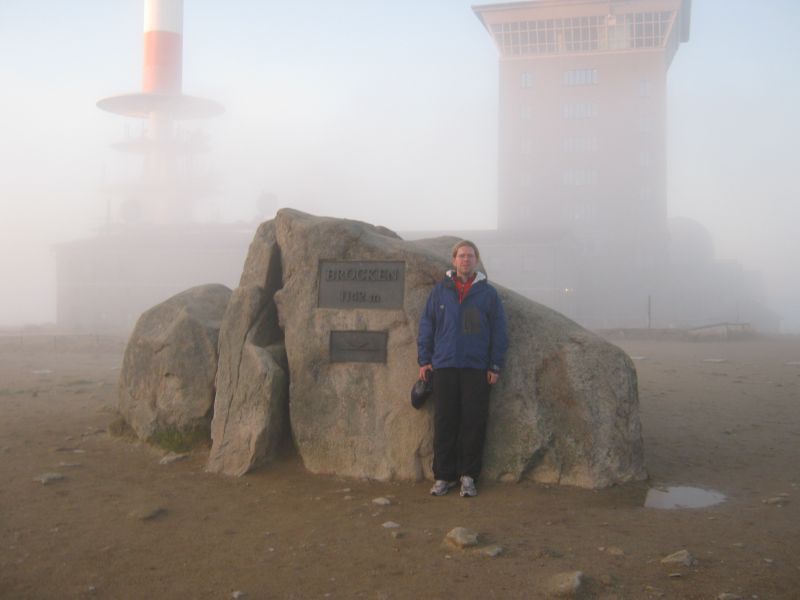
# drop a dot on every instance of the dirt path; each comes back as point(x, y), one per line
point(731, 424)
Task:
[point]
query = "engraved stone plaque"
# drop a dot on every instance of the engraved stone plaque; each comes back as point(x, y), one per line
point(358, 346)
point(361, 284)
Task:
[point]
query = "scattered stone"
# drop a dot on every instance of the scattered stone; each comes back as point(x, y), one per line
point(728, 596)
point(461, 537)
point(776, 501)
point(48, 478)
point(173, 457)
point(349, 497)
point(490, 551)
point(345, 490)
point(397, 534)
point(237, 595)
point(92, 589)
point(66, 465)
point(675, 575)
point(615, 551)
point(738, 545)
point(566, 585)
point(606, 580)
point(681, 557)
point(147, 513)
point(390, 525)
point(769, 561)
point(381, 501)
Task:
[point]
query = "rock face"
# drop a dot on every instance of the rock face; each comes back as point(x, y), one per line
point(251, 405)
point(565, 410)
point(167, 380)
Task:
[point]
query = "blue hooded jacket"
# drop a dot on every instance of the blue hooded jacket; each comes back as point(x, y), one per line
point(466, 335)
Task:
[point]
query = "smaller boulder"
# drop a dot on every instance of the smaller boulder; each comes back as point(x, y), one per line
point(166, 385)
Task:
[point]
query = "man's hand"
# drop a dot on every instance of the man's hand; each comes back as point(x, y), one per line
point(492, 377)
point(424, 370)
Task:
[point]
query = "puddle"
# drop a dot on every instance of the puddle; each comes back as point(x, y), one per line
point(682, 497)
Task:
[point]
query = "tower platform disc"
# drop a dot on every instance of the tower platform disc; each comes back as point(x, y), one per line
point(177, 106)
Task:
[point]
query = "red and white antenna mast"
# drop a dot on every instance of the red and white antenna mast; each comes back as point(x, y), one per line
point(163, 197)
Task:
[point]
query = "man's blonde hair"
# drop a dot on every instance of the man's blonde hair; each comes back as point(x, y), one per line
point(463, 243)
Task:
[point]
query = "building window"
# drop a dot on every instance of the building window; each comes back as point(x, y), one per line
point(645, 124)
point(526, 80)
point(579, 110)
point(579, 144)
point(585, 34)
point(527, 113)
point(525, 181)
point(579, 177)
point(645, 159)
point(644, 88)
point(579, 77)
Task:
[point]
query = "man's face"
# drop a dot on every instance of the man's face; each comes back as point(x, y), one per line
point(465, 261)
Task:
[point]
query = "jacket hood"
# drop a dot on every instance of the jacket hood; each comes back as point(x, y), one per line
point(478, 275)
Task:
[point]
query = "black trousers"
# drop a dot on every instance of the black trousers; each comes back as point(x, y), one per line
point(461, 401)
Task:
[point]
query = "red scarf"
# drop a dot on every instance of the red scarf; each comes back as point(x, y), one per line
point(463, 286)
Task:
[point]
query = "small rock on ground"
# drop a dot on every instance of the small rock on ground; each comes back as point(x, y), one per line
point(390, 525)
point(490, 551)
point(728, 596)
point(461, 537)
point(172, 457)
point(681, 557)
point(47, 478)
point(381, 501)
point(776, 501)
point(566, 585)
point(147, 513)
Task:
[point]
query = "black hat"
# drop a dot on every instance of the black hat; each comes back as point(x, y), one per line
point(421, 390)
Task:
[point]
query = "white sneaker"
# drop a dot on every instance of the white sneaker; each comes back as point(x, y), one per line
point(468, 487)
point(441, 487)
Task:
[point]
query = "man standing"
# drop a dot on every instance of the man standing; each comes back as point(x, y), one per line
point(462, 342)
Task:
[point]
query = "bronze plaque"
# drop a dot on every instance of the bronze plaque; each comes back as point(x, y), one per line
point(361, 284)
point(358, 346)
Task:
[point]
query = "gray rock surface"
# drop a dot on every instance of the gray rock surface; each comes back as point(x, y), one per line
point(565, 409)
point(48, 478)
point(166, 383)
point(251, 404)
point(461, 537)
point(566, 585)
point(681, 557)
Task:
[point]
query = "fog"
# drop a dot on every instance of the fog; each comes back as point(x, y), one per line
point(385, 112)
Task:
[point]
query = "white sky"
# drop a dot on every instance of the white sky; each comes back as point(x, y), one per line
point(385, 112)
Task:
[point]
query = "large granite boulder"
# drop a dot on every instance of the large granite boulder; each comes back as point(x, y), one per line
point(251, 405)
point(565, 410)
point(166, 386)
